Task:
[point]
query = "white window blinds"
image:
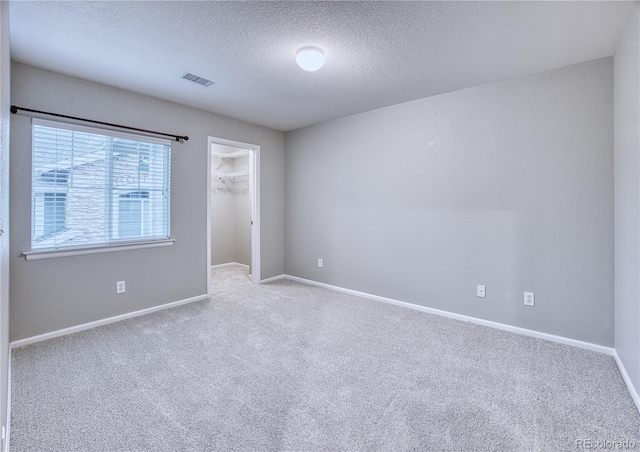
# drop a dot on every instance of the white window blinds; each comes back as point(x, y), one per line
point(92, 187)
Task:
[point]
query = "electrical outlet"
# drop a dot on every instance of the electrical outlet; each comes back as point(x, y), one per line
point(529, 299)
point(120, 287)
point(480, 292)
point(320, 264)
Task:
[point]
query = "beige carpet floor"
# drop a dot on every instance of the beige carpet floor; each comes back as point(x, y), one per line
point(286, 366)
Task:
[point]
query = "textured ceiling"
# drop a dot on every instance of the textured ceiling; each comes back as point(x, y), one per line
point(378, 53)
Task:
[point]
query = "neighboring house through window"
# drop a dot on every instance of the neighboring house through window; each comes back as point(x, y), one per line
point(54, 205)
point(92, 187)
point(133, 214)
point(49, 201)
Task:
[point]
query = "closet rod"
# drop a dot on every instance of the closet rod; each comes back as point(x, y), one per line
point(178, 138)
point(230, 175)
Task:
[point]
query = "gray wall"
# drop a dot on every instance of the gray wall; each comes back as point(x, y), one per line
point(222, 223)
point(51, 294)
point(222, 205)
point(242, 216)
point(508, 184)
point(231, 216)
point(627, 201)
point(4, 207)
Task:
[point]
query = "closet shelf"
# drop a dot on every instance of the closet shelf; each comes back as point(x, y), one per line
point(236, 175)
point(230, 155)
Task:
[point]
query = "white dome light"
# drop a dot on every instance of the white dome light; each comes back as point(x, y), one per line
point(310, 58)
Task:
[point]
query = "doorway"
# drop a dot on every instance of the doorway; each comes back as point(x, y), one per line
point(233, 205)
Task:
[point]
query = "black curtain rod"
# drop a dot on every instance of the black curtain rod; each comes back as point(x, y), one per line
point(178, 138)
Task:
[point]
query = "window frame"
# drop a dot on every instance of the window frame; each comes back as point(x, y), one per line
point(110, 246)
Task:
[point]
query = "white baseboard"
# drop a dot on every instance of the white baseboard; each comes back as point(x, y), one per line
point(88, 326)
point(627, 380)
point(499, 326)
point(228, 264)
point(274, 278)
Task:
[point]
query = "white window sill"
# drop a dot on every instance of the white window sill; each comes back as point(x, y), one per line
point(79, 251)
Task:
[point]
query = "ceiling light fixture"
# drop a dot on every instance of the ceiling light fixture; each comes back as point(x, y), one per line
point(310, 58)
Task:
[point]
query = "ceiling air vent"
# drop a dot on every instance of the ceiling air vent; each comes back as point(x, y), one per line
point(197, 79)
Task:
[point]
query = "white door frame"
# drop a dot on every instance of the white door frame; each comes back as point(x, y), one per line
point(254, 190)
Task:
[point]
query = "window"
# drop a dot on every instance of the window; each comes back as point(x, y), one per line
point(92, 187)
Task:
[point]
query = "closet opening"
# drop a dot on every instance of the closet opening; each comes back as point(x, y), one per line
point(233, 206)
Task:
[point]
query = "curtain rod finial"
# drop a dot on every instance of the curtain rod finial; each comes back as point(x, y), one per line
point(14, 109)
